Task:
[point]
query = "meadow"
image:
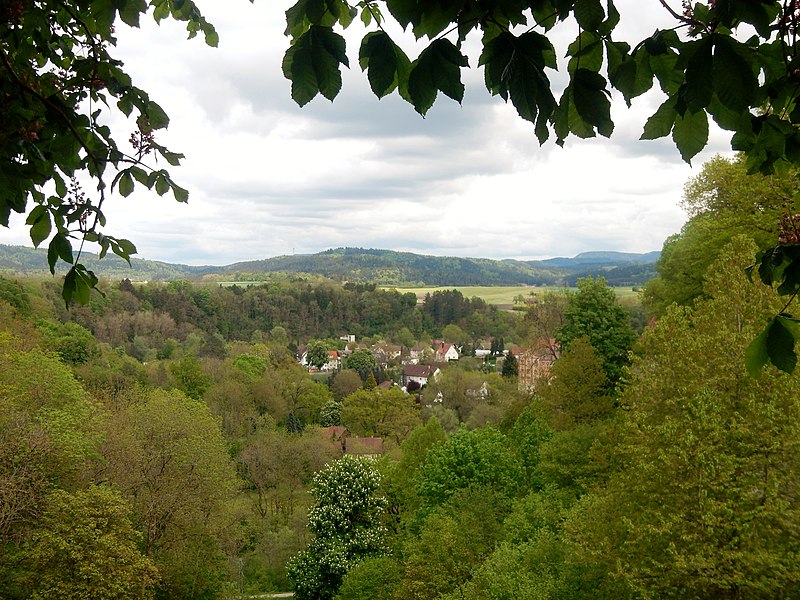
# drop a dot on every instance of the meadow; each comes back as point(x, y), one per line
point(502, 295)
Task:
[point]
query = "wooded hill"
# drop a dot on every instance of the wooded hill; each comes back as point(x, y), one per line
point(382, 267)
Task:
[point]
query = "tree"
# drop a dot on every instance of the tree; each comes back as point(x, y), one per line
point(330, 414)
point(363, 361)
point(703, 505)
point(578, 390)
point(190, 377)
point(723, 201)
point(480, 457)
point(167, 455)
point(345, 522)
point(381, 413)
point(59, 80)
point(345, 382)
point(372, 579)
point(85, 546)
point(594, 313)
point(510, 367)
point(317, 353)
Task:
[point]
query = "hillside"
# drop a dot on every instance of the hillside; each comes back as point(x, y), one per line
point(383, 267)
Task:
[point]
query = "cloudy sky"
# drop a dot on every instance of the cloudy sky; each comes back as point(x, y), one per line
point(267, 178)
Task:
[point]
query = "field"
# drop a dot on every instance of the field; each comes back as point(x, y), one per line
point(500, 295)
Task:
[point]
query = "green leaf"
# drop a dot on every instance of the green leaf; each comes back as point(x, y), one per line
point(756, 355)
point(661, 122)
point(156, 116)
point(515, 67)
point(589, 14)
point(690, 133)
point(125, 184)
point(698, 83)
point(162, 184)
point(129, 11)
point(39, 220)
point(438, 68)
point(586, 52)
point(312, 64)
point(381, 57)
point(181, 194)
point(211, 37)
point(592, 100)
point(735, 83)
point(769, 264)
point(139, 175)
point(780, 344)
point(78, 285)
point(60, 247)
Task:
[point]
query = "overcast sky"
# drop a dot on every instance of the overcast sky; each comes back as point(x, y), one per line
point(267, 178)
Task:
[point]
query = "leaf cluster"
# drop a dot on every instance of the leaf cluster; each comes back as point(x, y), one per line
point(58, 82)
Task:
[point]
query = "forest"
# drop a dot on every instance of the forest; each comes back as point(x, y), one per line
point(162, 440)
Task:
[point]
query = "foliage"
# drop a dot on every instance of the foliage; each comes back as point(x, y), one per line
point(59, 84)
point(190, 377)
point(345, 521)
point(594, 313)
point(578, 390)
point(469, 458)
point(46, 407)
point(361, 360)
point(380, 413)
point(73, 343)
point(705, 498)
point(317, 353)
point(452, 542)
point(167, 455)
point(510, 367)
point(330, 414)
point(15, 295)
point(371, 579)
point(344, 383)
point(723, 201)
point(89, 536)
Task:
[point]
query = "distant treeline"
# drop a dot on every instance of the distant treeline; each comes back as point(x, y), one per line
point(383, 267)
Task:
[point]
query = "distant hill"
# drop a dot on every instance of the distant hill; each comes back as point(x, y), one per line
point(382, 267)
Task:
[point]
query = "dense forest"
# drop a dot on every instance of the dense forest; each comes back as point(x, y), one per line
point(163, 441)
point(360, 265)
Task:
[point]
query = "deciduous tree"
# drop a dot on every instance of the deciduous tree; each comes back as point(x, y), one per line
point(345, 521)
point(594, 313)
point(704, 505)
point(85, 546)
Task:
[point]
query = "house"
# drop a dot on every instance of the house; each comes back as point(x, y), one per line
point(534, 363)
point(341, 437)
point(445, 353)
point(419, 374)
point(371, 447)
point(417, 353)
point(302, 356)
point(334, 362)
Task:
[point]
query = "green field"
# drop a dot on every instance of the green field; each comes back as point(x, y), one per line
point(501, 295)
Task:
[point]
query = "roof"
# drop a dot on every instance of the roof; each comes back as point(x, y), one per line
point(419, 370)
point(336, 432)
point(364, 445)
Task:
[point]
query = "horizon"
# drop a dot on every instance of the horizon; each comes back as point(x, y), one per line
point(42, 248)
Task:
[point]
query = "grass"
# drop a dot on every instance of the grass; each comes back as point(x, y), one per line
point(502, 295)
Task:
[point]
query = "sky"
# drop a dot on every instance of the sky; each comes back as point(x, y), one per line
point(267, 178)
